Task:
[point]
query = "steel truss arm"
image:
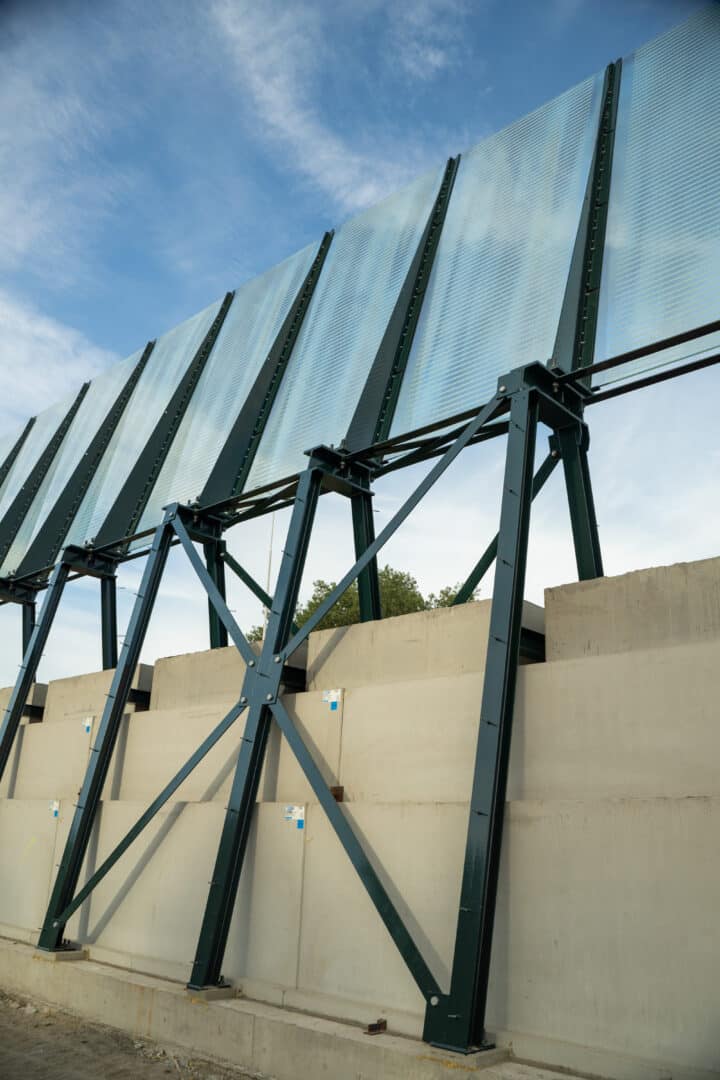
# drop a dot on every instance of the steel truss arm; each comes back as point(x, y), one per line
point(215, 596)
point(246, 579)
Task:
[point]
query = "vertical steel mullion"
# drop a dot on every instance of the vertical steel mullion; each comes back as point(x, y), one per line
point(214, 551)
point(31, 660)
point(259, 690)
point(28, 623)
point(364, 534)
point(108, 622)
point(457, 1021)
point(51, 935)
point(573, 443)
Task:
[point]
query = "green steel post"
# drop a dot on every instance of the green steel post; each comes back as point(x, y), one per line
point(28, 623)
point(456, 1021)
point(364, 534)
point(260, 690)
point(29, 666)
point(108, 620)
point(51, 935)
point(214, 560)
point(573, 442)
point(465, 592)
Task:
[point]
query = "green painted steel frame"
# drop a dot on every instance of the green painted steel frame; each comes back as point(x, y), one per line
point(531, 394)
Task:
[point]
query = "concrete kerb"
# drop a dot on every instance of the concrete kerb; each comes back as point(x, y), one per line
point(276, 1042)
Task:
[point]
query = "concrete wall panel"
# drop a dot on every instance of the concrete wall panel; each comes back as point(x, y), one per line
point(345, 950)
point(146, 914)
point(665, 605)
point(84, 695)
point(446, 641)
point(641, 723)
point(412, 741)
point(211, 678)
point(53, 759)
point(607, 927)
point(27, 846)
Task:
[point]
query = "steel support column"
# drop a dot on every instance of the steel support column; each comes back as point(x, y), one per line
point(52, 933)
point(573, 443)
point(28, 623)
point(31, 660)
point(215, 561)
point(457, 1020)
point(478, 572)
point(108, 620)
point(364, 534)
point(260, 690)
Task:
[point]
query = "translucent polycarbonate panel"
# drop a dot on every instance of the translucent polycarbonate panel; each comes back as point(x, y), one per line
point(38, 438)
point(496, 288)
point(248, 333)
point(363, 273)
point(661, 273)
point(165, 368)
point(95, 406)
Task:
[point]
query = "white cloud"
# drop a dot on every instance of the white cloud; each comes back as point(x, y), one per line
point(55, 189)
point(41, 361)
point(426, 36)
point(276, 51)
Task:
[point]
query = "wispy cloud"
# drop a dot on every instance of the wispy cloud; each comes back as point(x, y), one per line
point(41, 360)
point(426, 36)
point(55, 187)
point(276, 52)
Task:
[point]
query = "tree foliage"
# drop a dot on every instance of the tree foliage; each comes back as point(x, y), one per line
point(399, 595)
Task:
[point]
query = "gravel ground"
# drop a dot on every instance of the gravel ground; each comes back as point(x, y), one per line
point(40, 1042)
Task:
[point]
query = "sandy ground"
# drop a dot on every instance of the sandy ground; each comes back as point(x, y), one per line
point(39, 1042)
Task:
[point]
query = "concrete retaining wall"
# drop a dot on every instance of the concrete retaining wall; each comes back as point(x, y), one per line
point(607, 941)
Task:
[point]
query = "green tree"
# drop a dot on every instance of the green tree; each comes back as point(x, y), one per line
point(399, 595)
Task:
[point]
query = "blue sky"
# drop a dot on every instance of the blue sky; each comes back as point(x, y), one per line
point(156, 154)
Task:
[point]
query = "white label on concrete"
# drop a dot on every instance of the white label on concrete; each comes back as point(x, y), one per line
point(55, 808)
point(333, 698)
point(296, 814)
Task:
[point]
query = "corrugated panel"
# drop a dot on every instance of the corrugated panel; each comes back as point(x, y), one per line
point(95, 405)
point(250, 328)
point(661, 274)
point(40, 435)
point(497, 284)
point(164, 370)
point(354, 298)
